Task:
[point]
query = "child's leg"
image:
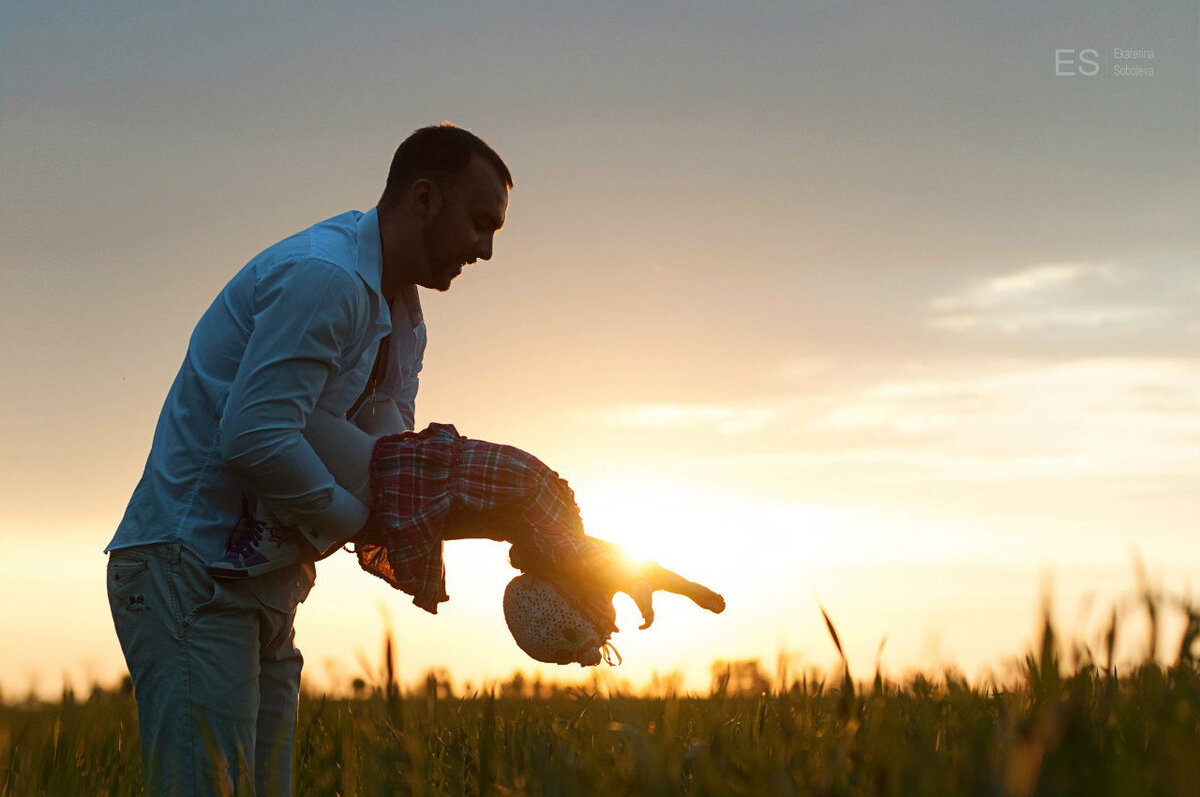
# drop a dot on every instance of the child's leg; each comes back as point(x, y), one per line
point(261, 543)
point(344, 448)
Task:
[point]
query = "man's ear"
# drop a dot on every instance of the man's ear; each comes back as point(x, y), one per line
point(425, 197)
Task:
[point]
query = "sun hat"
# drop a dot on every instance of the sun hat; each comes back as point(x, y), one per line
point(554, 628)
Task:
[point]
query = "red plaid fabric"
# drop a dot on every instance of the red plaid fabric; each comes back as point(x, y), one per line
point(419, 479)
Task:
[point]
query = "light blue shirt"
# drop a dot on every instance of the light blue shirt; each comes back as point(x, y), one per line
point(298, 327)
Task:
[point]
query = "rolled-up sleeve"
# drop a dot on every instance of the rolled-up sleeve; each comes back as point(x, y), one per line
point(305, 318)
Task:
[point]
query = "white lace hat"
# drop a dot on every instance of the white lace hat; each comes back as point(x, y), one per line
point(552, 629)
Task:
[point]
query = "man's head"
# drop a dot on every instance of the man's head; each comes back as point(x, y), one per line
point(446, 196)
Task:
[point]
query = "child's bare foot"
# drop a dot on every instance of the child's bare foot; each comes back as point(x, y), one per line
point(656, 578)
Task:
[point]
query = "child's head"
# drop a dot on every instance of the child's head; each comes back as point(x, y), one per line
point(551, 628)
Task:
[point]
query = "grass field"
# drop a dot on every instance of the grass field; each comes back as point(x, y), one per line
point(1084, 729)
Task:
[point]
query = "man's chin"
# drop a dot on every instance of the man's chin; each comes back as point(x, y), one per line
point(448, 277)
point(440, 282)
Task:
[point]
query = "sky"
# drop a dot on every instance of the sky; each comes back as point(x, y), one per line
point(890, 310)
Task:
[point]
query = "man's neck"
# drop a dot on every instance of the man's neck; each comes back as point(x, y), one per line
point(412, 302)
point(392, 278)
point(389, 286)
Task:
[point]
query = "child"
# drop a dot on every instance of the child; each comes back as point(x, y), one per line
point(430, 486)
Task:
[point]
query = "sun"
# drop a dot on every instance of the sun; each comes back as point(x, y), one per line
point(734, 542)
point(656, 521)
point(680, 524)
point(724, 541)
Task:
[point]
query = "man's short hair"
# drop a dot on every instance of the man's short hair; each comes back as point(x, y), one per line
point(438, 153)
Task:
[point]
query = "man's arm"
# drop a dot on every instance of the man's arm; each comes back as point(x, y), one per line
point(304, 320)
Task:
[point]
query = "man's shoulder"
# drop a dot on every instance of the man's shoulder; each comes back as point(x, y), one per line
point(333, 241)
point(318, 263)
point(318, 260)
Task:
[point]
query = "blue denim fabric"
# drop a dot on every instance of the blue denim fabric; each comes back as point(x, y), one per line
point(215, 672)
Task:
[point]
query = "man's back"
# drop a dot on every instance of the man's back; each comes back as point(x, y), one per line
point(299, 322)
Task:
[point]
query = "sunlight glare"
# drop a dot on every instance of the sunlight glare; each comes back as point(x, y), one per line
point(721, 537)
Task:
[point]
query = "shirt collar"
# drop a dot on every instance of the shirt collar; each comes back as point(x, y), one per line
point(370, 262)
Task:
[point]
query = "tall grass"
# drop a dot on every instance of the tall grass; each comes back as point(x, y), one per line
point(1081, 729)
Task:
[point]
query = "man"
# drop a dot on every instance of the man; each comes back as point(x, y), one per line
point(328, 318)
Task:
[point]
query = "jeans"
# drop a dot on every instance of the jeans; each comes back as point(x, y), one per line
point(215, 673)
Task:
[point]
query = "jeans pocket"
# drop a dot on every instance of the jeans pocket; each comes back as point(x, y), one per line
point(135, 587)
point(193, 590)
point(125, 572)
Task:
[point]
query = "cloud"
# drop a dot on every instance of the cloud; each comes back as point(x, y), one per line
point(1022, 285)
point(723, 419)
point(803, 370)
point(1016, 323)
point(1096, 417)
point(1063, 297)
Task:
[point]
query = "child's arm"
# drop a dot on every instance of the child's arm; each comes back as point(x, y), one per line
point(380, 417)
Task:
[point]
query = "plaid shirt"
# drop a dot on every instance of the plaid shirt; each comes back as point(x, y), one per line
point(421, 482)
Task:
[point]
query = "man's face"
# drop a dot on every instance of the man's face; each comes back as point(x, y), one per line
point(460, 231)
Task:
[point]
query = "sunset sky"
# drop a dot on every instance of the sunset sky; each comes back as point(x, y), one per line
point(849, 304)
